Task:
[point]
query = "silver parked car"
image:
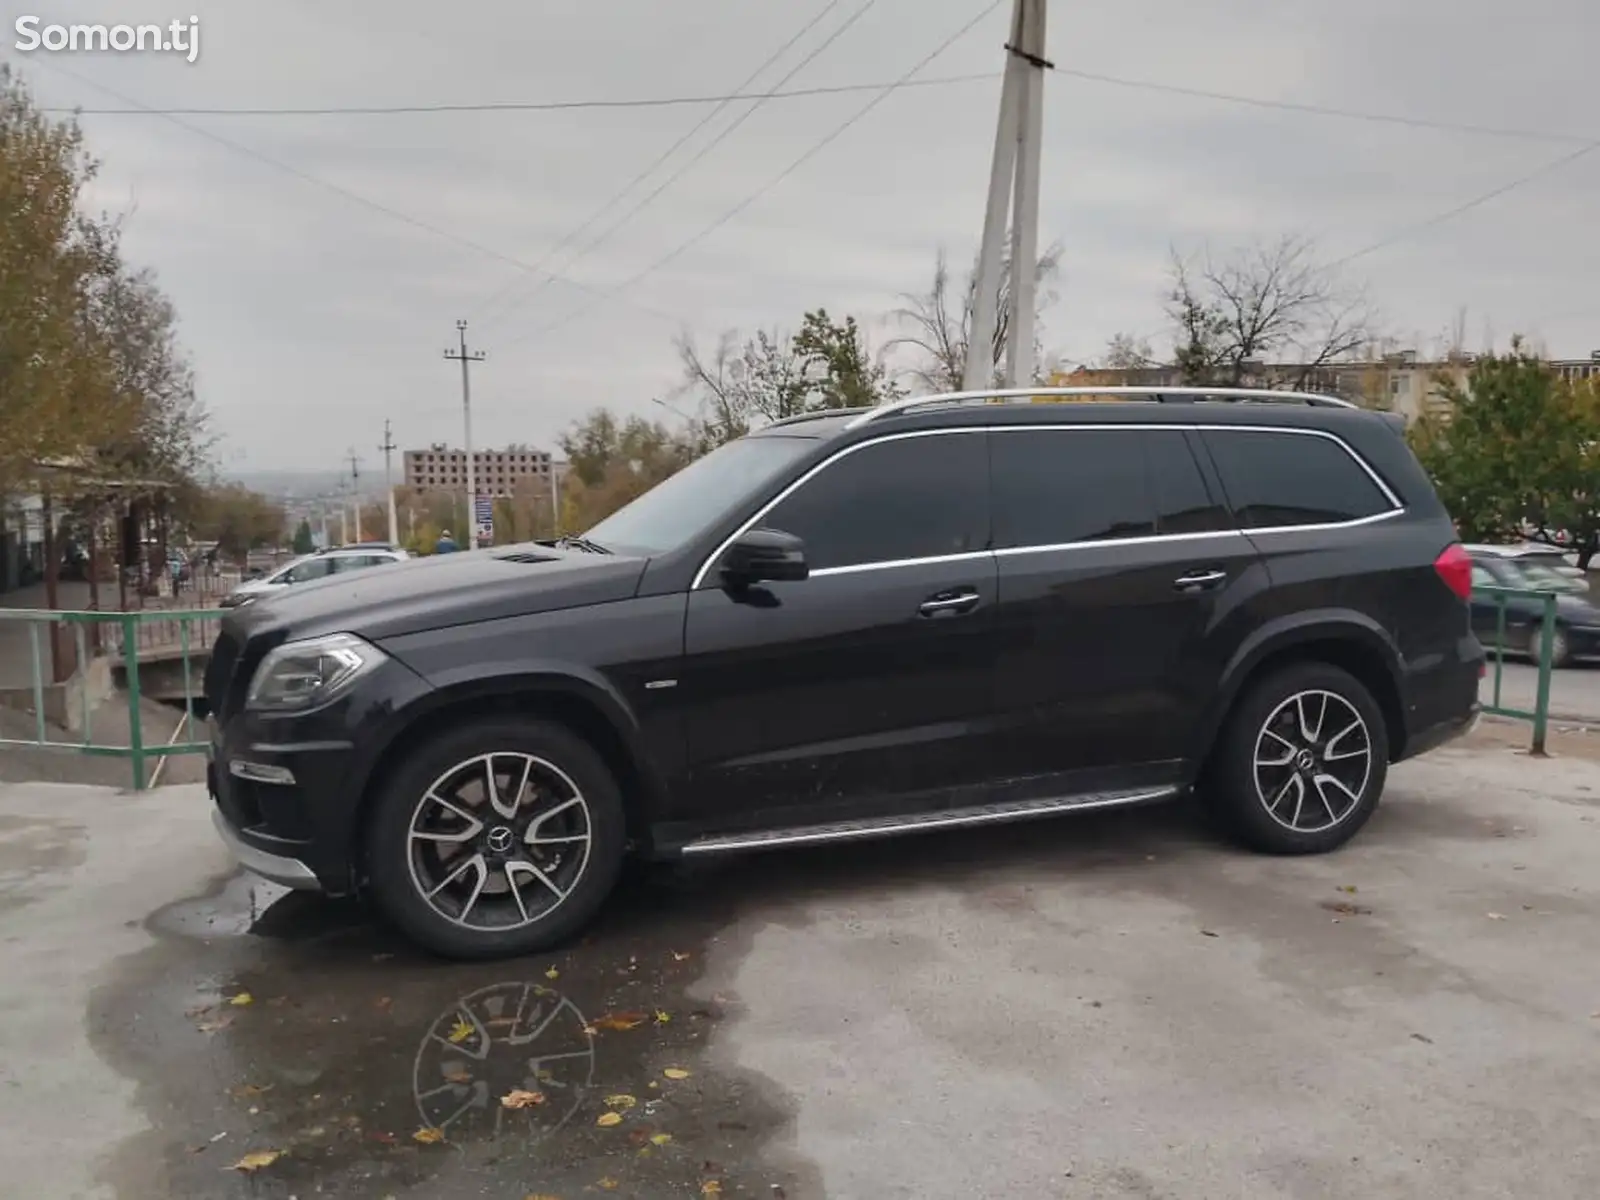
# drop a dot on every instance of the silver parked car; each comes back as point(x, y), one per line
point(335, 561)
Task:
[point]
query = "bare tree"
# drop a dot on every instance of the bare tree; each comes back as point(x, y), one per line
point(1269, 314)
point(941, 324)
point(1125, 352)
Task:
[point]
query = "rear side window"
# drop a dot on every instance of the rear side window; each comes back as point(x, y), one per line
point(898, 499)
point(1278, 479)
point(1054, 486)
point(1183, 502)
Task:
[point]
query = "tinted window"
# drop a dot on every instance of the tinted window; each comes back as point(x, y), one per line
point(1183, 503)
point(354, 562)
point(917, 497)
point(1053, 486)
point(1275, 479)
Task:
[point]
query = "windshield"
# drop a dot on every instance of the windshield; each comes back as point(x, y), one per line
point(679, 508)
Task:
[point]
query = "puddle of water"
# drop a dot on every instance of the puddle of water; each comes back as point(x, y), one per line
point(351, 1044)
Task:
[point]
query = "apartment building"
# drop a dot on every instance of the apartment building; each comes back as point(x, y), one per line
point(497, 472)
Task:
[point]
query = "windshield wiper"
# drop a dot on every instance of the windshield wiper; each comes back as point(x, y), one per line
point(579, 542)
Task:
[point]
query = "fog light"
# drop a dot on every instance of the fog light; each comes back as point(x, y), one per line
point(260, 772)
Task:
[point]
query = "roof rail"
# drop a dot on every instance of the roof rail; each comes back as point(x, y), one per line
point(1156, 394)
point(817, 415)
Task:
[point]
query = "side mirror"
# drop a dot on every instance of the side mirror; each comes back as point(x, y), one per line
point(764, 555)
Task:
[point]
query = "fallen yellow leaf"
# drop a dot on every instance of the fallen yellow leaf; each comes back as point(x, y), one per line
point(242, 999)
point(540, 1196)
point(711, 1187)
point(609, 1118)
point(552, 973)
point(517, 1098)
point(660, 1139)
point(606, 1183)
point(675, 1073)
point(662, 1017)
point(460, 1031)
point(620, 1100)
point(620, 1021)
point(428, 1135)
point(252, 1089)
point(257, 1160)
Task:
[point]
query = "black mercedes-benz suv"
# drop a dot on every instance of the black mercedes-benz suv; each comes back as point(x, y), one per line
point(941, 612)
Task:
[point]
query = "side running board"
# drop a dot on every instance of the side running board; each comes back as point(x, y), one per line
point(954, 818)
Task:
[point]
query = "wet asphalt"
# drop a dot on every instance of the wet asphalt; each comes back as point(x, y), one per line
point(1092, 1009)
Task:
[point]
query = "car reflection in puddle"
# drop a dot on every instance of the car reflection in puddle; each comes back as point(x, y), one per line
point(501, 1040)
point(259, 1022)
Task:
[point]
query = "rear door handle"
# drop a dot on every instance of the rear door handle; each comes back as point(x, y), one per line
point(1199, 581)
point(949, 604)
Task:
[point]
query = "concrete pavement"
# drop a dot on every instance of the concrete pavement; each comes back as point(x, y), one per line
point(1107, 1007)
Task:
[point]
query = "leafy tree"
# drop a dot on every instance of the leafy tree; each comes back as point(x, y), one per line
point(304, 542)
point(836, 366)
point(238, 520)
point(613, 461)
point(1518, 451)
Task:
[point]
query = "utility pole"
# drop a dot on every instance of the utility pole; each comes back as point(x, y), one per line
point(355, 488)
point(1013, 180)
point(467, 358)
point(388, 449)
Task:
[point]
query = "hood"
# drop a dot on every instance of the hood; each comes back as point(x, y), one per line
point(420, 594)
point(1577, 608)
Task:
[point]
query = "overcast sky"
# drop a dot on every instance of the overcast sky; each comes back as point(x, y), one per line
point(312, 317)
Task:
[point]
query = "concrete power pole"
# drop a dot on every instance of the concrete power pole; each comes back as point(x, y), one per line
point(355, 489)
point(1013, 181)
point(467, 358)
point(388, 449)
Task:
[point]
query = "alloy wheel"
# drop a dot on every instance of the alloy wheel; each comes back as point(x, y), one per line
point(1313, 761)
point(499, 841)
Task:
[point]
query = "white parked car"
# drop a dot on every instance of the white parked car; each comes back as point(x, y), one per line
point(335, 561)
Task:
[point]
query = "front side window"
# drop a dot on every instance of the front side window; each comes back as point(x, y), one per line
point(1053, 487)
point(685, 505)
point(1286, 479)
point(893, 500)
point(316, 568)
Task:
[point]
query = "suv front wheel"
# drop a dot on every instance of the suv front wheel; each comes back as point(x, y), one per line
point(1302, 762)
point(496, 839)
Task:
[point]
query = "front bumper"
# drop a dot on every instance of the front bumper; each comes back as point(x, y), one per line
point(275, 868)
point(288, 790)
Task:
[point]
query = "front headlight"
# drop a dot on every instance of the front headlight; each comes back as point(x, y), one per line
point(301, 676)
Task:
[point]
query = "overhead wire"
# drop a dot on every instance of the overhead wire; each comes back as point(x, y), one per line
point(367, 202)
point(734, 212)
point(655, 194)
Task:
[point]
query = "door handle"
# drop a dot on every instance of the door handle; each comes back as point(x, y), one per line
point(949, 604)
point(1199, 581)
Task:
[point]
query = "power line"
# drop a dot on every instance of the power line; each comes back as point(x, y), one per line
point(393, 214)
point(736, 210)
point(1319, 110)
point(671, 150)
point(645, 102)
point(1450, 214)
point(688, 166)
point(517, 106)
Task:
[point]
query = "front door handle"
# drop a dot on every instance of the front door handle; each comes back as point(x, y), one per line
point(1199, 581)
point(949, 604)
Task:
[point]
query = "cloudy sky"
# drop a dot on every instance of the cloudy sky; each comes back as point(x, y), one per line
point(320, 262)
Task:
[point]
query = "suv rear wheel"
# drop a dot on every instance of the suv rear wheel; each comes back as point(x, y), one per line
point(1302, 762)
point(496, 839)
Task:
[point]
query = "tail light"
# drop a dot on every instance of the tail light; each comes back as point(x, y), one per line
point(1454, 566)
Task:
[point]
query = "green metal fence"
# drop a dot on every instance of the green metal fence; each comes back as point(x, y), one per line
point(1536, 648)
point(61, 648)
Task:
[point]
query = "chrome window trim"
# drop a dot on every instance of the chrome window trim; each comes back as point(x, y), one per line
point(1144, 426)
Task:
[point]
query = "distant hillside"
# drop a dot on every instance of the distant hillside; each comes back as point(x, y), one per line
point(291, 483)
